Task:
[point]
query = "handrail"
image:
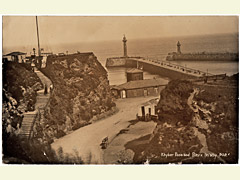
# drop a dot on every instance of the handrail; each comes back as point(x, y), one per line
point(176, 65)
point(122, 57)
point(38, 113)
point(36, 116)
point(164, 63)
point(33, 123)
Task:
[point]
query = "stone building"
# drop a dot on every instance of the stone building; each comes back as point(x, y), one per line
point(138, 88)
point(16, 56)
point(134, 74)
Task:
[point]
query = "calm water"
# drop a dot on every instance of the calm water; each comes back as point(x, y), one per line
point(158, 48)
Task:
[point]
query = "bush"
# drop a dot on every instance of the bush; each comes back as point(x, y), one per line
point(18, 150)
point(77, 126)
point(60, 134)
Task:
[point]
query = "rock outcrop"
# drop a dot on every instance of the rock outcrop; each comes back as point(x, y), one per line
point(173, 107)
point(198, 123)
point(81, 93)
point(20, 86)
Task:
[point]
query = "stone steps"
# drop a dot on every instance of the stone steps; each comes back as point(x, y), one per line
point(41, 102)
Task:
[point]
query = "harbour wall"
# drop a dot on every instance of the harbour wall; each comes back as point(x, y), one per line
point(116, 62)
point(151, 68)
point(171, 74)
point(203, 57)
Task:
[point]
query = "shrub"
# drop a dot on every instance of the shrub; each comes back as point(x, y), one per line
point(60, 134)
point(27, 152)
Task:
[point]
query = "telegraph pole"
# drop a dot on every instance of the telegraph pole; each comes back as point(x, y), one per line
point(39, 50)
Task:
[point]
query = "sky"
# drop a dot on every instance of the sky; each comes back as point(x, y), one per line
point(21, 30)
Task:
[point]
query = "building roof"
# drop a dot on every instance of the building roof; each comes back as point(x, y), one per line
point(16, 53)
point(134, 70)
point(84, 53)
point(151, 102)
point(142, 84)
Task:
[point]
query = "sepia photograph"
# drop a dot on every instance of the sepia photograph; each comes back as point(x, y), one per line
point(120, 90)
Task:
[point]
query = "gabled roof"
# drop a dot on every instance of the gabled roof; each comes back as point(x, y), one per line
point(151, 102)
point(142, 84)
point(134, 70)
point(16, 53)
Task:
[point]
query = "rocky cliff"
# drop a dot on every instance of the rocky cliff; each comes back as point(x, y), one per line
point(20, 86)
point(198, 123)
point(81, 93)
point(173, 107)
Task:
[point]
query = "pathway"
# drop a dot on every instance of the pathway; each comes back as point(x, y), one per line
point(85, 141)
point(41, 102)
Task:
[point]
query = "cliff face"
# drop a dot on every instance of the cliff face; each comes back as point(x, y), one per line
point(173, 105)
point(20, 86)
point(198, 123)
point(81, 92)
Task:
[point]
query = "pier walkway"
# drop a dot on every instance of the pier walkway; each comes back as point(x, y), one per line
point(171, 67)
point(41, 102)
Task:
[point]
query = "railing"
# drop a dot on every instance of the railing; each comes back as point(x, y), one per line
point(210, 78)
point(33, 123)
point(178, 67)
point(38, 114)
point(122, 57)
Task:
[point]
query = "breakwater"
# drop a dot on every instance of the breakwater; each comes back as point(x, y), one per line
point(163, 68)
point(203, 56)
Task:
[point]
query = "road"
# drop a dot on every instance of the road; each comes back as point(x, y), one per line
point(86, 140)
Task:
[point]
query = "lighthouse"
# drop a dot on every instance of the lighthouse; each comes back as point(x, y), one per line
point(124, 46)
point(178, 48)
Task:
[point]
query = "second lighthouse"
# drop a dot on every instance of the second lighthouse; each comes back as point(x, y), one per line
point(124, 46)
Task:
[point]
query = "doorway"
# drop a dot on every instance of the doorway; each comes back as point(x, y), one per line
point(123, 94)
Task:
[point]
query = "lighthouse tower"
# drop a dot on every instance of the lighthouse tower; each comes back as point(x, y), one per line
point(124, 46)
point(178, 48)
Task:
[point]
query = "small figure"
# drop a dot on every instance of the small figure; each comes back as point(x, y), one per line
point(33, 65)
point(51, 88)
point(104, 143)
point(45, 89)
point(205, 80)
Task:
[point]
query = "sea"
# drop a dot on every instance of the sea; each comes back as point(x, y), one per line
point(158, 48)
